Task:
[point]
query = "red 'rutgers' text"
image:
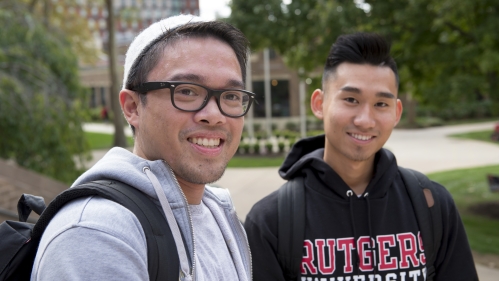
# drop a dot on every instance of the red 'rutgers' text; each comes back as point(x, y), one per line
point(392, 252)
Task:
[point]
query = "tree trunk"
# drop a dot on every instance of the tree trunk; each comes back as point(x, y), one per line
point(493, 94)
point(411, 111)
point(46, 13)
point(119, 133)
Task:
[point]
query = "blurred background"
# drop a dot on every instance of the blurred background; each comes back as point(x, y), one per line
point(61, 65)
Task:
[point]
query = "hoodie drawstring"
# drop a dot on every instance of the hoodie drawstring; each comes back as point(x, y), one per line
point(172, 222)
point(350, 201)
point(374, 250)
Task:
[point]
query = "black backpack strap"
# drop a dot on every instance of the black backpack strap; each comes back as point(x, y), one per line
point(28, 203)
point(426, 206)
point(291, 227)
point(160, 243)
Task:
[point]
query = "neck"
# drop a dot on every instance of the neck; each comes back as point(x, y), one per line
point(193, 192)
point(356, 174)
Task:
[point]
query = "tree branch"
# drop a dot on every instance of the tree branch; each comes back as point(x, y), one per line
point(461, 31)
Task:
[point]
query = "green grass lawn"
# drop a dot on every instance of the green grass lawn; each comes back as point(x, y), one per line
point(469, 187)
point(102, 141)
point(255, 161)
point(479, 135)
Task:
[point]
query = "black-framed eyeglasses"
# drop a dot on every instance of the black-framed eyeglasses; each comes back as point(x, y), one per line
point(193, 97)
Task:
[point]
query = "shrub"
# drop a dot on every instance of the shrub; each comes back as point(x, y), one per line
point(292, 126)
point(281, 146)
point(243, 148)
point(256, 147)
point(268, 147)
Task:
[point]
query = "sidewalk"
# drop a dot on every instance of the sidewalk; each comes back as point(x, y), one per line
point(426, 150)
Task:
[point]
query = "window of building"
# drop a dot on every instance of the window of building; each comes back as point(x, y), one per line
point(103, 95)
point(93, 98)
point(279, 94)
point(272, 54)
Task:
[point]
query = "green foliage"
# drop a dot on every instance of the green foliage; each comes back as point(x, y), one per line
point(41, 109)
point(268, 147)
point(281, 145)
point(67, 21)
point(447, 50)
point(459, 110)
point(292, 126)
point(244, 148)
point(256, 147)
point(300, 31)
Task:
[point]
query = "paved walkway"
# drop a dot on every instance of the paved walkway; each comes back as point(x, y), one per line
point(426, 150)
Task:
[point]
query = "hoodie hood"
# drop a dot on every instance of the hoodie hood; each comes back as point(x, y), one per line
point(122, 165)
point(306, 158)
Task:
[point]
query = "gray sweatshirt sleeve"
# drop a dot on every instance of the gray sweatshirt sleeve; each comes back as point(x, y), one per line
point(92, 239)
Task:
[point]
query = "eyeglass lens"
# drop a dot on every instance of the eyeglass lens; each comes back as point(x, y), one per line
point(192, 97)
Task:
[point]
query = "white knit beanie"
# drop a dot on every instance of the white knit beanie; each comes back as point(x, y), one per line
point(149, 35)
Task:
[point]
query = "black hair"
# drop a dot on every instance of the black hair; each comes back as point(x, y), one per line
point(360, 48)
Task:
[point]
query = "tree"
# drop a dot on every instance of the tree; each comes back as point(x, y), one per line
point(119, 133)
point(447, 51)
point(41, 109)
point(66, 19)
point(62, 16)
point(300, 31)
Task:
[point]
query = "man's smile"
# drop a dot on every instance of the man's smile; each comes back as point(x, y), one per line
point(206, 142)
point(361, 137)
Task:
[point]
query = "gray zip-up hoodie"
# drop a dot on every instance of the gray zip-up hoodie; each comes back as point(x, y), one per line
point(111, 236)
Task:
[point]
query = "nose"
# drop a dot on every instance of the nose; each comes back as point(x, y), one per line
point(364, 118)
point(210, 114)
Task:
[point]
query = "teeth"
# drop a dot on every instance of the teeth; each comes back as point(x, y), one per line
point(206, 142)
point(361, 137)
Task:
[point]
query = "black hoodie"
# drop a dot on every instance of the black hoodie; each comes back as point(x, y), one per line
point(341, 225)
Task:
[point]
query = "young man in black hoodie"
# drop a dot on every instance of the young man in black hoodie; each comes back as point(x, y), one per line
point(359, 221)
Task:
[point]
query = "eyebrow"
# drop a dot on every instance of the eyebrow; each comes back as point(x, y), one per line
point(201, 80)
point(354, 90)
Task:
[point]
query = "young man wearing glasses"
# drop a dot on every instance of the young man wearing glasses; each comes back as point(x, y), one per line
point(183, 96)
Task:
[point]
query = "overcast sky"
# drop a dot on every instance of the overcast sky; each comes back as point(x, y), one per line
point(209, 8)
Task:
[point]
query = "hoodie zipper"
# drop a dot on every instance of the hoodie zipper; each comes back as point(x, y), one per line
point(190, 224)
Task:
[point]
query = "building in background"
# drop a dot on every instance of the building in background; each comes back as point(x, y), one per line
point(135, 15)
point(132, 16)
point(284, 87)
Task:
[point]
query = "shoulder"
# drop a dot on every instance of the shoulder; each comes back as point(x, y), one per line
point(98, 215)
point(96, 234)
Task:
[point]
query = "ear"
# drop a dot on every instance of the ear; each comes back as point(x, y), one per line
point(129, 101)
point(398, 112)
point(316, 102)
